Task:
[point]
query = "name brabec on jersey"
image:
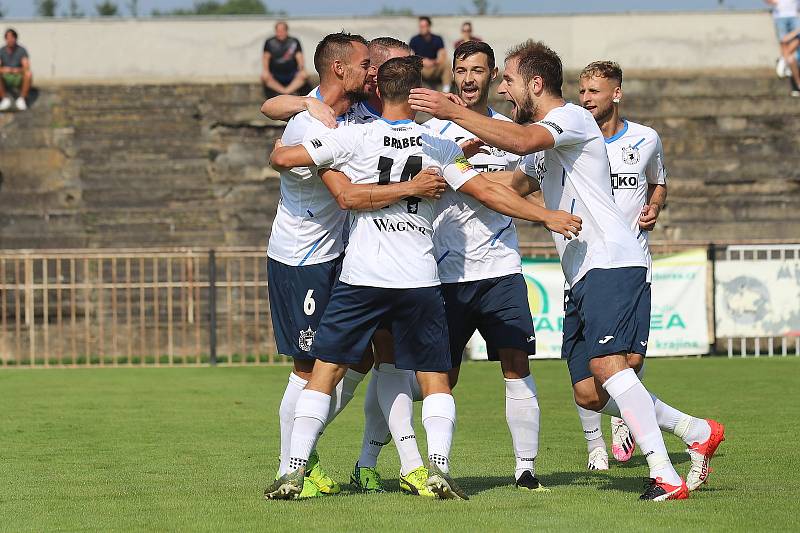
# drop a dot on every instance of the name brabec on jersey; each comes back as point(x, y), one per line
point(391, 247)
point(307, 229)
point(574, 176)
point(473, 242)
point(637, 161)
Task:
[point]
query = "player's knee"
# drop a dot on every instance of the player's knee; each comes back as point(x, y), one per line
point(635, 361)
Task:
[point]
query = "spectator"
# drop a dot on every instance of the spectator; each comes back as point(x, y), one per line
point(283, 65)
point(15, 72)
point(466, 34)
point(436, 67)
point(784, 14)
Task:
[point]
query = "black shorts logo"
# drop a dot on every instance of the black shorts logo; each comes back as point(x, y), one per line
point(316, 143)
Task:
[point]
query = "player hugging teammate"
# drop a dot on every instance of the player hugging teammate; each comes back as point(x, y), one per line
point(421, 273)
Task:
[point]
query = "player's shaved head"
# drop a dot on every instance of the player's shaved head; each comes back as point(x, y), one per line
point(398, 76)
point(603, 69)
point(335, 47)
point(534, 58)
point(381, 48)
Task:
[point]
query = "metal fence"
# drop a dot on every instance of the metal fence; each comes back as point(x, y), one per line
point(189, 306)
point(134, 307)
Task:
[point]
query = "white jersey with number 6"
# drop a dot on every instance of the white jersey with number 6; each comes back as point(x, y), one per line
point(637, 161)
point(473, 242)
point(391, 247)
point(575, 176)
point(307, 228)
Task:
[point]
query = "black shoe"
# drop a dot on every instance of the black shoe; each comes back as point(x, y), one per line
point(527, 482)
point(658, 491)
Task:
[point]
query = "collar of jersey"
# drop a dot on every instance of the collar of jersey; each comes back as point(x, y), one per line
point(318, 96)
point(393, 122)
point(366, 104)
point(622, 132)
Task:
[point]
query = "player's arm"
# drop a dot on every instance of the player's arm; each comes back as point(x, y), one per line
point(285, 106)
point(508, 136)
point(369, 197)
point(516, 180)
point(656, 174)
point(285, 157)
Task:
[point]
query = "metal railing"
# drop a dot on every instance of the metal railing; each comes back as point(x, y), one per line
point(134, 307)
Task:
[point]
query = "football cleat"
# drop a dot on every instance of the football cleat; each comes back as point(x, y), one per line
point(659, 491)
point(598, 459)
point(315, 473)
point(287, 487)
point(415, 483)
point(528, 482)
point(622, 443)
point(366, 479)
point(701, 455)
point(443, 485)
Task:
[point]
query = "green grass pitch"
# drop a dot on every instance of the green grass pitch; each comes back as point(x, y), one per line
point(191, 449)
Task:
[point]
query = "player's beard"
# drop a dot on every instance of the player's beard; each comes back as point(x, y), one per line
point(483, 94)
point(525, 111)
point(358, 95)
point(604, 114)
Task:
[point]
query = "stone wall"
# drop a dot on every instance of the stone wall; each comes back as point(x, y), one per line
point(184, 165)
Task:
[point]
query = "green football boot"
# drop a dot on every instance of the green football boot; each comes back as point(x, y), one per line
point(415, 483)
point(443, 485)
point(366, 479)
point(315, 473)
point(286, 487)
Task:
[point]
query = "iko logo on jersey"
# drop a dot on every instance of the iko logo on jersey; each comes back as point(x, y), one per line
point(306, 338)
point(390, 226)
point(625, 180)
point(630, 155)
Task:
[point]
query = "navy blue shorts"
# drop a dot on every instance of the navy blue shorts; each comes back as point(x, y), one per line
point(642, 323)
point(298, 296)
point(601, 317)
point(497, 307)
point(416, 316)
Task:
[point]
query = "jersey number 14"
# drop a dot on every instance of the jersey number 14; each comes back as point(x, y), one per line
point(412, 167)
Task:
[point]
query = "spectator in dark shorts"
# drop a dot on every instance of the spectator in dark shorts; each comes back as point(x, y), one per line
point(436, 68)
point(466, 34)
point(15, 72)
point(283, 65)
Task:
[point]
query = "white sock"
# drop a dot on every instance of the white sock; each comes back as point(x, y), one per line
point(637, 410)
point(686, 427)
point(522, 415)
point(394, 396)
point(310, 415)
point(286, 412)
point(591, 421)
point(616, 420)
point(439, 419)
point(344, 392)
point(611, 408)
point(376, 430)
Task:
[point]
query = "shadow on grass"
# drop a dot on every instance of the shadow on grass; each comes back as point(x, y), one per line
point(638, 461)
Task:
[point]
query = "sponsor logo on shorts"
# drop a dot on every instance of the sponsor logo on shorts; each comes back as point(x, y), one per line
point(643, 343)
point(552, 125)
point(306, 338)
point(625, 180)
point(605, 339)
point(532, 338)
point(316, 143)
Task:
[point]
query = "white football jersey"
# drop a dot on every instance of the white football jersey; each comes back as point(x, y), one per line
point(391, 247)
point(637, 160)
point(575, 177)
point(473, 242)
point(308, 224)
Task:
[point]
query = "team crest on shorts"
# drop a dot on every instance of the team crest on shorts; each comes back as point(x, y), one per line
point(306, 338)
point(630, 155)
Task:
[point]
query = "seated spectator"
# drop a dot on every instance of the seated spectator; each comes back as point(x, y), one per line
point(466, 34)
point(784, 14)
point(436, 68)
point(15, 72)
point(283, 65)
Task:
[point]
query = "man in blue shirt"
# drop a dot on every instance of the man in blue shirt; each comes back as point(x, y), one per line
point(430, 47)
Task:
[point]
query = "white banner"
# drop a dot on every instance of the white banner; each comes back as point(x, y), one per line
point(678, 321)
point(758, 298)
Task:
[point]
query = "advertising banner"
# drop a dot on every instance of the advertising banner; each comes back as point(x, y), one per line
point(678, 320)
point(758, 298)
